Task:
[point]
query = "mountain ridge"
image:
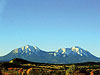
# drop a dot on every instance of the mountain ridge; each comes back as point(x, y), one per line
point(61, 56)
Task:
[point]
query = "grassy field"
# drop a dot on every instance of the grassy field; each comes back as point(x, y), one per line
point(26, 68)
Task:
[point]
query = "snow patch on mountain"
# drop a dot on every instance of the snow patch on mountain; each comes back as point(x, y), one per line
point(74, 50)
point(27, 49)
point(79, 51)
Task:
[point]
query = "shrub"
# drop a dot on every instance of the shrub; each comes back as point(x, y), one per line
point(21, 70)
point(34, 72)
point(24, 72)
point(71, 70)
point(28, 71)
point(82, 70)
point(0, 72)
point(10, 68)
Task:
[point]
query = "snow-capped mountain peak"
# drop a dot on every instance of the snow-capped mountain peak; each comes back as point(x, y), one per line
point(79, 51)
point(73, 50)
point(26, 49)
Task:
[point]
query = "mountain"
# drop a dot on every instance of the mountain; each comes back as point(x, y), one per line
point(60, 56)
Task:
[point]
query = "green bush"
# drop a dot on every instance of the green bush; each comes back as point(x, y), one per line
point(71, 69)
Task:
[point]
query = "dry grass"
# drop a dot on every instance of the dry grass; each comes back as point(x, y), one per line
point(31, 69)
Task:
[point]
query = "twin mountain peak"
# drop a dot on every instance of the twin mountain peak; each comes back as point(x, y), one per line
point(65, 51)
point(61, 56)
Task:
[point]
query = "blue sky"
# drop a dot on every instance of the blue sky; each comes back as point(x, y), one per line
point(50, 24)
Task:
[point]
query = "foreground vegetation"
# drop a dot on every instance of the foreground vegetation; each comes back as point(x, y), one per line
point(11, 68)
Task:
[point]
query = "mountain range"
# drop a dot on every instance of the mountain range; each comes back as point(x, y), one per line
point(61, 56)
